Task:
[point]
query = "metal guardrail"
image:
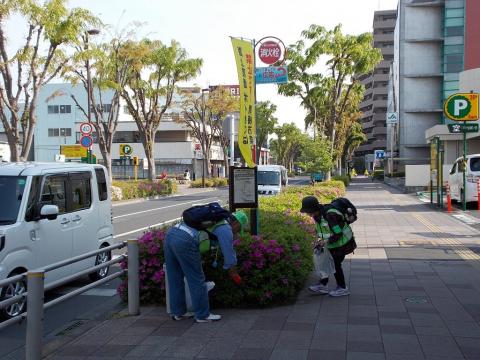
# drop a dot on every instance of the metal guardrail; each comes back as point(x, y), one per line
point(36, 289)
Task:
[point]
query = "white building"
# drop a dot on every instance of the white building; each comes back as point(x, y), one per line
point(59, 119)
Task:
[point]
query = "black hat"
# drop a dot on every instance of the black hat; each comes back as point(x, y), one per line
point(310, 204)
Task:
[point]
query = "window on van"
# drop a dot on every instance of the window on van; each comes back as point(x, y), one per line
point(475, 164)
point(268, 178)
point(31, 214)
point(454, 169)
point(54, 192)
point(101, 184)
point(81, 191)
point(11, 188)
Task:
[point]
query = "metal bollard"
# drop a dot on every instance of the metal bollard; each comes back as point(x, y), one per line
point(133, 278)
point(35, 299)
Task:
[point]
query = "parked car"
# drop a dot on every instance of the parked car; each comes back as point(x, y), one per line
point(472, 173)
point(51, 212)
point(317, 176)
point(271, 179)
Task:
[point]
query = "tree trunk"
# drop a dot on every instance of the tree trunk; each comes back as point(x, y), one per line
point(150, 154)
point(13, 144)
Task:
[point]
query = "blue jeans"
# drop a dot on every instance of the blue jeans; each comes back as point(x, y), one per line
point(183, 259)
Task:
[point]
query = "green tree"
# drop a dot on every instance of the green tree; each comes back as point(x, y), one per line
point(316, 156)
point(288, 145)
point(204, 114)
point(154, 70)
point(355, 137)
point(266, 123)
point(328, 96)
point(51, 28)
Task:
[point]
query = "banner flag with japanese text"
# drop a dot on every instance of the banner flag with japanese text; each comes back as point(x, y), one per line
point(244, 57)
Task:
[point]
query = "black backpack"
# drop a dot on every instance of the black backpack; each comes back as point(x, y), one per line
point(202, 217)
point(345, 206)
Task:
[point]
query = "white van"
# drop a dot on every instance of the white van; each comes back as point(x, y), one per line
point(271, 179)
point(51, 212)
point(472, 174)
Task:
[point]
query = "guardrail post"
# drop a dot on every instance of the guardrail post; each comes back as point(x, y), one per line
point(133, 278)
point(35, 287)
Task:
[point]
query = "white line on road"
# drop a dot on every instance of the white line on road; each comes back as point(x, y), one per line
point(161, 208)
point(146, 228)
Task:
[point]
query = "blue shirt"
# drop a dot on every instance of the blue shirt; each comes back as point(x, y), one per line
point(225, 239)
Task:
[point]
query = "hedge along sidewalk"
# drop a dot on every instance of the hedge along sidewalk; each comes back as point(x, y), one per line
point(183, 190)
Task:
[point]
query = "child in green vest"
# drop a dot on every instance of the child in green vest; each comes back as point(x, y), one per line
point(334, 233)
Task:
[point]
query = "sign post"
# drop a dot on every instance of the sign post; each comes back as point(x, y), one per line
point(462, 107)
point(86, 140)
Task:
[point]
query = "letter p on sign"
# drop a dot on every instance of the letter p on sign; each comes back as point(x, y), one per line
point(462, 107)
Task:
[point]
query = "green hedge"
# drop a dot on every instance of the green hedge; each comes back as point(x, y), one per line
point(273, 265)
point(144, 188)
point(343, 178)
point(212, 182)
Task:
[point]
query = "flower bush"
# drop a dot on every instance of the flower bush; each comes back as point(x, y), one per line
point(273, 265)
point(143, 188)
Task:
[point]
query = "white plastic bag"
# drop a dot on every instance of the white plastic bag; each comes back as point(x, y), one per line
point(323, 262)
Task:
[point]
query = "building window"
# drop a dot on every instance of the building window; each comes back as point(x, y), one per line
point(454, 22)
point(126, 137)
point(125, 110)
point(454, 13)
point(59, 109)
point(59, 132)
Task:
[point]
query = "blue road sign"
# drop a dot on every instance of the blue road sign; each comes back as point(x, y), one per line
point(271, 75)
point(379, 154)
point(86, 141)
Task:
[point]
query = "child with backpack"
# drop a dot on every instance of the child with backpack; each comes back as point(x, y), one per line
point(183, 256)
point(334, 232)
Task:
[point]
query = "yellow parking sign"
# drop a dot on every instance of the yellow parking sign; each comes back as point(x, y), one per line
point(462, 107)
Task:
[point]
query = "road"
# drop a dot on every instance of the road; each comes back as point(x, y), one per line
point(130, 220)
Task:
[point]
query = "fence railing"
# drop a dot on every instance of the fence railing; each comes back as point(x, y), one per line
point(35, 280)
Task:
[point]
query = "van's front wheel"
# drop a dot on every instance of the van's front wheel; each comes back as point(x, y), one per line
point(10, 291)
point(103, 272)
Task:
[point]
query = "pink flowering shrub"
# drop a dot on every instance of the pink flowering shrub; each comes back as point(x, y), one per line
point(273, 265)
point(144, 188)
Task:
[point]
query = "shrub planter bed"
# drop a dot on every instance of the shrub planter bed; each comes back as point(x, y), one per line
point(273, 265)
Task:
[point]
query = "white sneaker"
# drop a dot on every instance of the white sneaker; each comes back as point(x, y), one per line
point(319, 289)
point(210, 285)
point(210, 318)
point(339, 292)
point(187, 315)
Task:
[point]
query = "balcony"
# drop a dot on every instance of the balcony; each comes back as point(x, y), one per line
point(379, 118)
point(367, 113)
point(368, 91)
point(367, 125)
point(381, 90)
point(365, 103)
point(384, 24)
point(381, 103)
point(383, 38)
point(384, 64)
point(381, 77)
point(379, 144)
point(380, 131)
point(387, 50)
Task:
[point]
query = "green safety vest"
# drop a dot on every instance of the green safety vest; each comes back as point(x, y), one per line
point(205, 244)
point(324, 231)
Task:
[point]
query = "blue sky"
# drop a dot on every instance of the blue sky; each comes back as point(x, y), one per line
point(203, 28)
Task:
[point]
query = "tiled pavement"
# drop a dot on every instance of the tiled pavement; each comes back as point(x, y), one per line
point(415, 295)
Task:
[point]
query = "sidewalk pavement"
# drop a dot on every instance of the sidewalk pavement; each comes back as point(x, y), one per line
point(415, 283)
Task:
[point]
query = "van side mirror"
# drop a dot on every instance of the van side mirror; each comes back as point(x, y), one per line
point(49, 212)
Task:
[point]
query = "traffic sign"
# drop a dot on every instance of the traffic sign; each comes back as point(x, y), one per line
point(462, 107)
point(86, 141)
point(86, 128)
point(460, 128)
point(392, 118)
point(125, 150)
point(271, 75)
point(73, 151)
point(379, 154)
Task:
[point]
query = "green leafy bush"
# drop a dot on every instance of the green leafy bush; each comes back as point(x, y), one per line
point(143, 188)
point(273, 265)
point(343, 178)
point(212, 182)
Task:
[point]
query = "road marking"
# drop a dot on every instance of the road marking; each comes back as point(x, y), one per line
point(135, 201)
point(470, 220)
point(458, 247)
point(160, 208)
point(146, 228)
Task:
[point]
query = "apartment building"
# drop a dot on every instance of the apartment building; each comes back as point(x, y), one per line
point(374, 104)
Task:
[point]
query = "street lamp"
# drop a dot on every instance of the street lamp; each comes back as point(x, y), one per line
point(89, 87)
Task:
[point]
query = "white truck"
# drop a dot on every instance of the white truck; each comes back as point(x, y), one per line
point(271, 179)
